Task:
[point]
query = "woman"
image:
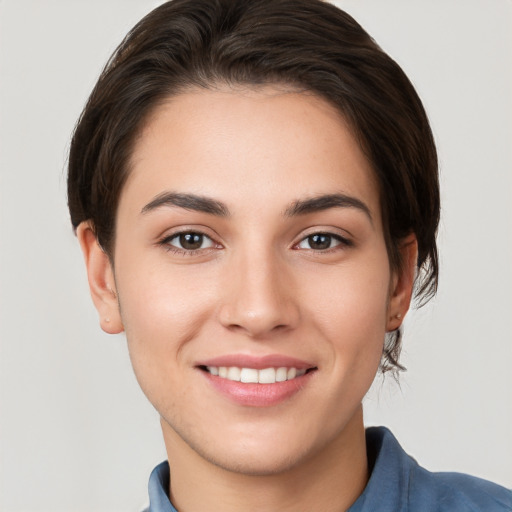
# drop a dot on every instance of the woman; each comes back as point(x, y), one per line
point(254, 187)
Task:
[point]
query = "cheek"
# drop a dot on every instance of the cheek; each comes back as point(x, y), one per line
point(353, 294)
point(161, 312)
point(158, 297)
point(350, 308)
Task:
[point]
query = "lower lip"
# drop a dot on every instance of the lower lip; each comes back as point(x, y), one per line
point(258, 395)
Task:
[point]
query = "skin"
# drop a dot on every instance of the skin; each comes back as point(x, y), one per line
point(255, 286)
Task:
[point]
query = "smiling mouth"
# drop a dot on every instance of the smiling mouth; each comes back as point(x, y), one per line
point(255, 376)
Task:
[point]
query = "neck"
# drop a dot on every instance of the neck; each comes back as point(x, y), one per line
point(329, 481)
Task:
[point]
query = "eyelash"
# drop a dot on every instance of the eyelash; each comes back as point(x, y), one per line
point(166, 242)
point(342, 242)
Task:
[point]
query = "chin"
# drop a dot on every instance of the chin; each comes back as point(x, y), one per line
point(270, 461)
point(257, 449)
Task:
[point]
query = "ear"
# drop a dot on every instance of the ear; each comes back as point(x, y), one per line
point(402, 283)
point(101, 280)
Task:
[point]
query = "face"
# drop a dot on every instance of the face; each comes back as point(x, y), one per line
point(252, 275)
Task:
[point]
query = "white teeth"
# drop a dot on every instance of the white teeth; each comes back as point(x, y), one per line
point(267, 376)
point(281, 374)
point(233, 373)
point(251, 375)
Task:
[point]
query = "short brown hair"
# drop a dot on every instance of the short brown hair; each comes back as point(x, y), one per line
point(309, 45)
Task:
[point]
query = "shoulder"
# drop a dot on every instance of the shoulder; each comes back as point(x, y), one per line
point(457, 491)
point(399, 483)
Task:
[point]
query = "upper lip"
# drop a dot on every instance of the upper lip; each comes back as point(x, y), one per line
point(257, 362)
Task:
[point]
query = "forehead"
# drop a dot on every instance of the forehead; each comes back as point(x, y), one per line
point(268, 144)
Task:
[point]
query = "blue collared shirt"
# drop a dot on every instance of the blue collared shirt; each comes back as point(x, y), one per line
point(397, 484)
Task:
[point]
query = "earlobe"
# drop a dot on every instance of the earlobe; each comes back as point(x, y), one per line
point(101, 280)
point(403, 283)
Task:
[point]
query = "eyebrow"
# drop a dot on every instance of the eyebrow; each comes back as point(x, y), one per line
point(300, 207)
point(188, 202)
point(325, 202)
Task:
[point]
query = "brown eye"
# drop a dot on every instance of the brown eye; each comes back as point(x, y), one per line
point(322, 242)
point(190, 241)
point(319, 242)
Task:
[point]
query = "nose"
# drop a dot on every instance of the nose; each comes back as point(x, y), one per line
point(259, 297)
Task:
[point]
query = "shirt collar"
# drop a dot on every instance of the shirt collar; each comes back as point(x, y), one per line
point(158, 485)
point(390, 466)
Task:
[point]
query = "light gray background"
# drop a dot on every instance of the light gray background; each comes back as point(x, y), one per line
point(76, 432)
